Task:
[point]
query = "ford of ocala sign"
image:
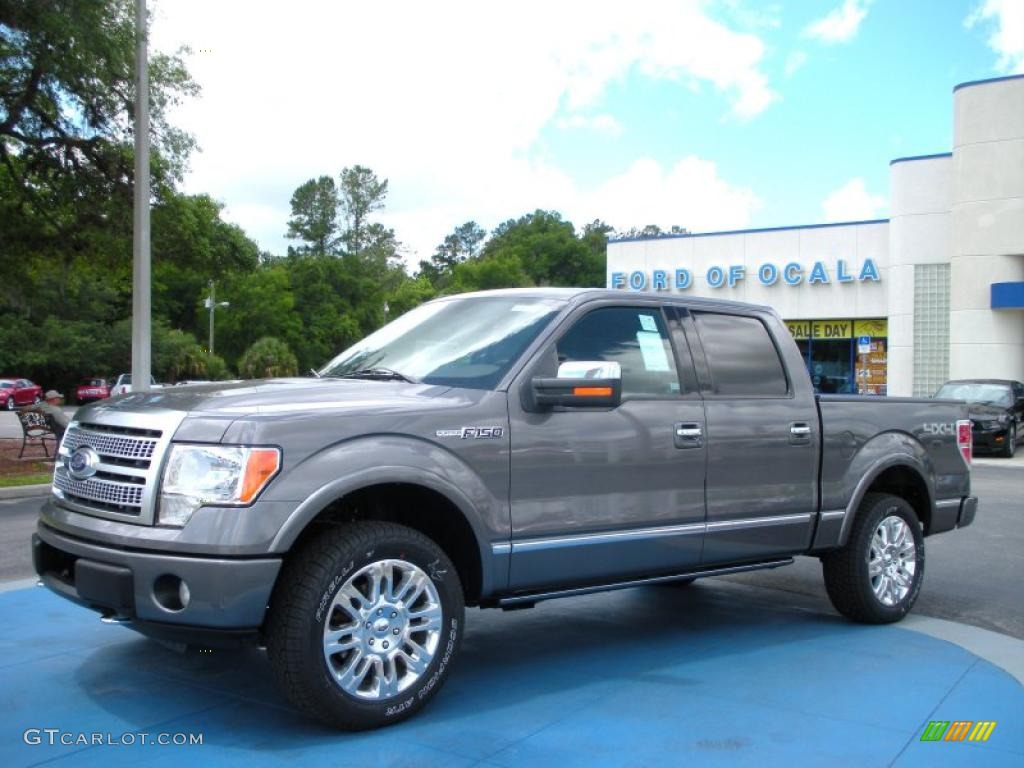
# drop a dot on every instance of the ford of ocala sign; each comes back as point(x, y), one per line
point(790, 274)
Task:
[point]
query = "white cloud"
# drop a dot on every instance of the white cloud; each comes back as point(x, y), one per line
point(794, 61)
point(1007, 38)
point(839, 25)
point(604, 123)
point(446, 101)
point(690, 194)
point(852, 202)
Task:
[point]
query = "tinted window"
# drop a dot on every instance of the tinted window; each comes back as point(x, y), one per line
point(740, 353)
point(635, 338)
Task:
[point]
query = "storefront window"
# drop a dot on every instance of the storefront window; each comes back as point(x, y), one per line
point(843, 356)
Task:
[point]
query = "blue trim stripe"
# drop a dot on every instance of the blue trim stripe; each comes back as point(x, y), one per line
point(971, 83)
point(747, 231)
point(1007, 295)
point(920, 157)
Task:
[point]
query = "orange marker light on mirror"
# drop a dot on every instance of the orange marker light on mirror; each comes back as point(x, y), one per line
point(592, 391)
point(261, 465)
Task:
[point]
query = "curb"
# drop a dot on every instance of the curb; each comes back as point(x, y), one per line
point(24, 491)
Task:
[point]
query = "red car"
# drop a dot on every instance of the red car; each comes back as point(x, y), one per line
point(92, 389)
point(15, 392)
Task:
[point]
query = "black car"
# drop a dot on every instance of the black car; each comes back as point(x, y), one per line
point(996, 411)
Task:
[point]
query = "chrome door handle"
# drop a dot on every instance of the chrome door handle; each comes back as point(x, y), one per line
point(689, 435)
point(800, 433)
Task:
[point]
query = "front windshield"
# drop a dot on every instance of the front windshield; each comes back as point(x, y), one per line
point(991, 394)
point(470, 342)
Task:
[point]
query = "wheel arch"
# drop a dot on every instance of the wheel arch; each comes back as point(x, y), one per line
point(407, 496)
point(900, 476)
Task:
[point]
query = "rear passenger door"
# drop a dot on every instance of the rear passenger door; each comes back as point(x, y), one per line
point(762, 435)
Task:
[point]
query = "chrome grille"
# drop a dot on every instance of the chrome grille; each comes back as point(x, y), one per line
point(107, 444)
point(104, 491)
point(131, 446)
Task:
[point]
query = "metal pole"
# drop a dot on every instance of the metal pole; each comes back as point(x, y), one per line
point(141, 326)
point(213, 307)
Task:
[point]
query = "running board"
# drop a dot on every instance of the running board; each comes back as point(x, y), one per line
point(526, 600)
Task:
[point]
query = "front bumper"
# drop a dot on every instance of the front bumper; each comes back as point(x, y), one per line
point(990, 439)
point(226, 596)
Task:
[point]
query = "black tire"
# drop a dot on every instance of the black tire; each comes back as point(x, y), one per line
point(1011, 442)
point(297, 620)
point(846, 571)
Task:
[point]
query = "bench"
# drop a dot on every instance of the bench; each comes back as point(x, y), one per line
point(36, 427)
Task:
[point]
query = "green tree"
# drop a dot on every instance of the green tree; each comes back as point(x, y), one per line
point(361, 193)
point(314, 217)
point(267, 358)
point(66, 101)
point(547, 249)
point(262, 304)
point(462, 244)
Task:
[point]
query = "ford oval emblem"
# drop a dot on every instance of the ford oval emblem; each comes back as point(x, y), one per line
point(82, 463)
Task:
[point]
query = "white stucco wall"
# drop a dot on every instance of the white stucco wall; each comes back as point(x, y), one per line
point(987, 228)
point(852, 243)
point(919, 233)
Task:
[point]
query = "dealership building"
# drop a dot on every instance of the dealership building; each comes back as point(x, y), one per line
point(890, 306)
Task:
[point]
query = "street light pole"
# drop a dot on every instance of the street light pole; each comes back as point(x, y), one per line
point(141, 324)
point(211, 304)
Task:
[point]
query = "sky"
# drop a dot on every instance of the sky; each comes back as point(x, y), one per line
point(715, 115)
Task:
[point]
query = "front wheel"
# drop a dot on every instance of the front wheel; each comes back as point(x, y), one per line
point(10, 403)
point(877, 576)
point(1011, 442)
point(364, 624)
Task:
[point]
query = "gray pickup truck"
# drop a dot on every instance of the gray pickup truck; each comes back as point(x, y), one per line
point(492, 449)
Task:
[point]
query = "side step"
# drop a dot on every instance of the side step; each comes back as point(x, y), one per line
point(527, 599)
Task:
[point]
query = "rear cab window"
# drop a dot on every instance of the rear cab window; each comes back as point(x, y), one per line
point(741, 356)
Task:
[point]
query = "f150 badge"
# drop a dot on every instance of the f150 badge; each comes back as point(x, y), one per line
point(472, 433)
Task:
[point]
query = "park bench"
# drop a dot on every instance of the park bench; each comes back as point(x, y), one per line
point(35, 428)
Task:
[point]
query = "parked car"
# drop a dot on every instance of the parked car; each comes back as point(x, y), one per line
point(493, 449)
point(91, 390)
point(123, 385)
point(996, 409)
point(15, 392)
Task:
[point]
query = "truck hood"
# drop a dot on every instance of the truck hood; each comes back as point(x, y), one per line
point(983, 412)
point(269, 396)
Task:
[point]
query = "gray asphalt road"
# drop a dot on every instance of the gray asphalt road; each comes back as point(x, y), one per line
point(974, 575)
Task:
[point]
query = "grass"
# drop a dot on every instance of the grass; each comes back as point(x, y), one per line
point(11, 481)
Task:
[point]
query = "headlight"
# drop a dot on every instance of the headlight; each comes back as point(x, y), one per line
point(221, 475)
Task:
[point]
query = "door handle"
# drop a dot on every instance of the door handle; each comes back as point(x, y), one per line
point(799, 433)
point(689, 434)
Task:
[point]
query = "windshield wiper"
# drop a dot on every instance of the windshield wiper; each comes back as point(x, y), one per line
point(381, 373)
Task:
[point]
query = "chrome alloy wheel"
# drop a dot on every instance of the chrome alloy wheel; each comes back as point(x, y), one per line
point(382, 629)
point(892, 560)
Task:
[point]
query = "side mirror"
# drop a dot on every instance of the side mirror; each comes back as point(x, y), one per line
point(585, 384)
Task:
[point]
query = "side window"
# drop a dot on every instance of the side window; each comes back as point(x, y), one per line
point(634, 337)
point(741, 356)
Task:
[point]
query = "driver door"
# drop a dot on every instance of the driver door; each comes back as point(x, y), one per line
point(605, 494)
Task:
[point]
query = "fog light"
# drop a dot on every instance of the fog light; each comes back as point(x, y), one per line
point(171, 593)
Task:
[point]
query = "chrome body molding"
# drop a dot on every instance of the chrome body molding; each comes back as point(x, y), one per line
point(612, 537)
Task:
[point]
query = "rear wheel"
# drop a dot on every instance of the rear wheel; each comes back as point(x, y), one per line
point(877, 576)
point(10, 403)
point(364, 624)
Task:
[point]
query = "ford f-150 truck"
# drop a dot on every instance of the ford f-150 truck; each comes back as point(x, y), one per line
point(492, 449)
